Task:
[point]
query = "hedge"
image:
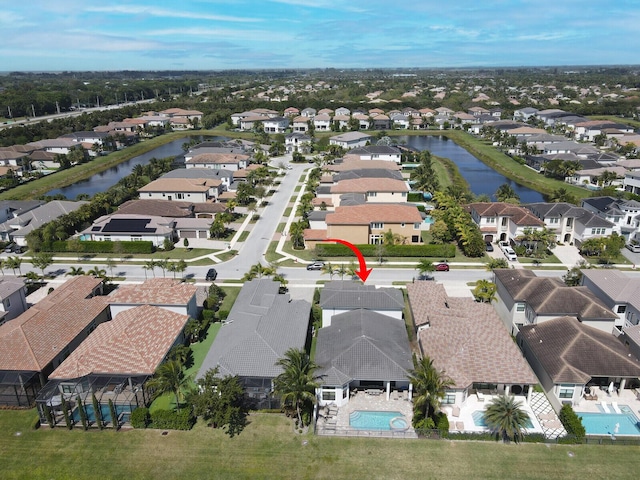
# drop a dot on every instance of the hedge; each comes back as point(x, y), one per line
point(572, 422)
point(140, 418)
point(172, 420)
point(337, 250)
point(91, 246)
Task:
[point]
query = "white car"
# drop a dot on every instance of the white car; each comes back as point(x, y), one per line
point(635, 248)
point(510, 254)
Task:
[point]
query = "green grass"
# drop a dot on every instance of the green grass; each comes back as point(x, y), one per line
point(287, 212)
point(298, 188)
point(271, 255)
point(243, 236)
point(268, 449)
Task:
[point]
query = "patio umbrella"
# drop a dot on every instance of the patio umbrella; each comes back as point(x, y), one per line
point(616, 429)
point(610, 389)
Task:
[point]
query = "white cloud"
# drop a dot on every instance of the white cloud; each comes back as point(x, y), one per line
point(263, 36)
point(162, 12)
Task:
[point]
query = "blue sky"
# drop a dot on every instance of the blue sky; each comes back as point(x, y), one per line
point(219, 35)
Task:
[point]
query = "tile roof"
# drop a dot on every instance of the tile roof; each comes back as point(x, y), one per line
point(353, 162)
point(32, 340)
point(347, 294)
point(154, 291)
point(365, 214)
point(617, 285)
point(466, 339)
point(10, 285)
point(363, 345)
point(181, 185)
point(368, 173)
point(315, 234)
point(519, 215)
point(218, 158)
point(369, 184)
point(571, 352)
point(551, 297)
point(156, 208)
point(135, 342)
point(262, 325)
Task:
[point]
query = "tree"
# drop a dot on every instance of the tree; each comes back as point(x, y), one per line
point(75, 271)
point(485, 291)
point(170, 377)
point(164, 266)
point(14, 264)
point(42, 260)
point(560, 195)
point(149, 265)
point(425, 266)
point(97, 272)
point(505, 192)
point(297, 383)
point(111, 264)
point(573, 277)
point(218, 229)
point(494, 263)
point(506, 417)
point(220, 402)
point(430, 385)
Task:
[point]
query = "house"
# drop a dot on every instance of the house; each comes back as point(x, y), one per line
point(367, 224)
point(297, 142)
point(592, 177)
point(276, 125)
point(526, 299)
point(252, 122)
point(338, 297)
point(571, 224)
point(13, 299)
point(342, 111)
point(322, 122)
point(524, 114)
point(217, 161)
point(112, 366)
point(350, 140)
point(570, 357)
point(352, 163)
point(308, 112)
point(623, 214)
point(376, 152)
point(224, 176)
point(374, 190)
point(194, 116)
point(618, 291)
point(19, 227)
point(36, 342)
point(291, 112)
point(400, 121)
point(361, 349)
point(173, 295)
point(341, 122)
point(56, 145)
point(364, 121)
point(467, 341)
point(174, 209)
point(502, 221)
point(198, 190)
point(131, 228)
point(380, 122)
point(10, 209)
point(262, 325)
point(300, 124)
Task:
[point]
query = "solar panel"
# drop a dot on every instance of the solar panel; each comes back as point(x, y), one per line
point(128, 225)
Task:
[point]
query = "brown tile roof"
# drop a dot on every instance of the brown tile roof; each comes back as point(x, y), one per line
point(209, 207)
point(31, 341)
point(466, 339)
point(353, 162)
point(218, 158)
point(136, 341)
point(519, 215)
point(155, 291)
point(551, 297)
point(369, 184)
point(316, 202)
point(315, 234)
point(365, 214)
point(157, 208)
point(181, 185)
point(571, 352)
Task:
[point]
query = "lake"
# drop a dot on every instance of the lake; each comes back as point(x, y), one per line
point(482, 179)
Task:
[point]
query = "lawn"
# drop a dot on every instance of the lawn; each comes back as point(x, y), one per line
point(268, 448)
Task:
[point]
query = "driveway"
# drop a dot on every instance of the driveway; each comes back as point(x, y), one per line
point(568, 255)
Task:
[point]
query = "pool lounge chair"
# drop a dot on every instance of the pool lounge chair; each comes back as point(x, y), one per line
point(456, 411)
point(615, 407)
point(605, 407)
point(480, 396)
point(460, 426)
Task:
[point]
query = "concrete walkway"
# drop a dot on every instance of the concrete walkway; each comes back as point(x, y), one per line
point(568, 255)
point(551, 425)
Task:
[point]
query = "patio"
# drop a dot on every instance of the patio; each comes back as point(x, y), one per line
point(336, 421)
point(630, 397)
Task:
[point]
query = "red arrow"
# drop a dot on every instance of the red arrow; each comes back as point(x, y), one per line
point(363, 272)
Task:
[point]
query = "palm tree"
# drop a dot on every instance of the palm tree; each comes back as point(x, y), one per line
point(297, 383)
point(506, 192)
point(506, 417)
point(97, 272)
point(425, 266)
point(75, 271)
point(170, 377)
point(430, 385)
point(150, 265)
point(485, 291)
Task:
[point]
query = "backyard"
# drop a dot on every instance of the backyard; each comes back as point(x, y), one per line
point(268, 448)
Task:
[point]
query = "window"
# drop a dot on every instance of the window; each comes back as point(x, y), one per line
point(328, 394)
point(504, 221)
point(415, 238)
point(7, 303)
point(372, 194)
point(566, 391)
point(554, 220)
point(402, 225)
point(377, 226)
point(520, 307)
point(449, 398)
point(376, 239)
point(491, 220)
point(179, 196)
point(621, 309)
point(416, 226)
point(345, 392)
point(597, 231)
point(68, 388)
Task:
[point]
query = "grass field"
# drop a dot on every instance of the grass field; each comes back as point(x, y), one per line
point(268, 449)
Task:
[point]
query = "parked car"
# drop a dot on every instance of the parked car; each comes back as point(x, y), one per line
point(442, 267)
point(425, 276)
point(489, 247)
point(212, 274)
point(635, 248)
point(315, 266)
point(510, 254)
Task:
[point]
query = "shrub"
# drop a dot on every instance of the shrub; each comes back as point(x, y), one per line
point(35, 424)
point(172, 420)
point(572, 422)
point(208, 316)
point(336, 250)
point(442, 423)
point(223, 314)
point(90, 246)
point(140, 418)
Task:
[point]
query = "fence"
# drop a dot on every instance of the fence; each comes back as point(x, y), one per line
point(335, 431)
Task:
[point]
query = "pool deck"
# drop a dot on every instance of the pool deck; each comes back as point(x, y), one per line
point(338, 424)
point(623, 397)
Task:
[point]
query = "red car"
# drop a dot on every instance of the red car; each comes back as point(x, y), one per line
point(442, 267)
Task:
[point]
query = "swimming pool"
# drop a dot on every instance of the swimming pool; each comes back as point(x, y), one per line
point(478, 419)
point(605, 423)
point(105, 411)
point(365, 420)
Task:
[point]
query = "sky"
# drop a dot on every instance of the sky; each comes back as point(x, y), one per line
point(55, 35)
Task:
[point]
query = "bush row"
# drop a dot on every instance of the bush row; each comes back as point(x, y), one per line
point(336, 250)
point(91, 246)
point(163, 419)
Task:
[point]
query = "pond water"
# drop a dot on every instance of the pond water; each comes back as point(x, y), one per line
point(482, 179)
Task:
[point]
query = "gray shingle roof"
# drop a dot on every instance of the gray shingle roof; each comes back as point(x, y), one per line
point(353, 295)
point(363, 345)
point(260, 328)
point(571, 352)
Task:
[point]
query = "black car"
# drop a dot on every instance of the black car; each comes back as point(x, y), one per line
point(315, 266)
point(212, 274)
point(489, 247)
point(425, 276)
